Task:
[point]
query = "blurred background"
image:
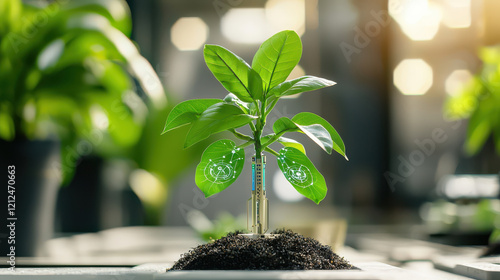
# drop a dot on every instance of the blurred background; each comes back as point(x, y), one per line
point(82, 107)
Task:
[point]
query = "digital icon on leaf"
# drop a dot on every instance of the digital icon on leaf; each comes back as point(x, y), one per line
point(297, 174)
point(300, 175)
point(222, 169)
point(221, 164)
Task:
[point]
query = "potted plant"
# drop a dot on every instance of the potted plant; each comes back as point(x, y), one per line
point(253, 93)
point(68, 72)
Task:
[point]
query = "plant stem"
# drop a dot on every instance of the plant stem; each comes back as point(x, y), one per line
point(271, 107)
point(244, 145)
point(252, 126)
point(257, 134)
point(274, 138)
point(241, 135)
point(259, 127)
point(267, 149)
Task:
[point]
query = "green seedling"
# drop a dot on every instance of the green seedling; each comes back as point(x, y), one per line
point(253, 93)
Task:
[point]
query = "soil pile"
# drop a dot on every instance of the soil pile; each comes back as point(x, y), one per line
point(288, 251)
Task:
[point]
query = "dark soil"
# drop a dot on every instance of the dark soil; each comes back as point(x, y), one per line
point(288, 251)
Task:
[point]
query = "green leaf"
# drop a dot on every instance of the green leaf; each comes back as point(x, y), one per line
point(221, 164)
point(316, 132)
point(218, 117)
point(277, 57)
point(255, 85)
point(287, 142)
point(306, 118)
point(186, 112)
point(233, 73)
point(299, 85)
point(233, 99)
point(302, 174)
point(283, 125)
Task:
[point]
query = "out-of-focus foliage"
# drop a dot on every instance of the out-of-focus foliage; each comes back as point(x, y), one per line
point(69, 70)
point(224, 224)
point(171, 160)
point(479, 100)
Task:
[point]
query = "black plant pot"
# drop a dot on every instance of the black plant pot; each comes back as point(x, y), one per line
point(37, 179)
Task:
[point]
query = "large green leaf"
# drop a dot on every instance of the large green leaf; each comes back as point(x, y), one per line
point(186, 112)
point(306, 119)
point(277, 57)
point(316, 132)
point(299, 85)
point(233, 73)
point(218, 117)
point(221, 164)
point(302, 174)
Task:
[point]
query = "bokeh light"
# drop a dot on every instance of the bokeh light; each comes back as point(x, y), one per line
point(418, 19)
point(286, 15)
point(457, 13)
point(254, 25)
point(189, 33)
point(413, 77)
point(245, 25)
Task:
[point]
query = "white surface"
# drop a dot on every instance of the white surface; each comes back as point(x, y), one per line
point(470, 266)
point(158, 271)
point(479, 270)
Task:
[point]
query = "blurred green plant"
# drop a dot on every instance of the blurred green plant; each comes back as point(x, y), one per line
point(479, 101)
point(222, 225)
point(166, 164)
point(69, 70)
point(253, 93)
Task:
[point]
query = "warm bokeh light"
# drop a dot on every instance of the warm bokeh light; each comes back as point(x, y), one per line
point(457, 13)
point(148, 188)
point(413, 77)
point(283, 189)
point(418, 19)
point(286, 14)
point(456, 80)
point(189, 33)
point(245, 25)
point(408, 11)
point(254, 25)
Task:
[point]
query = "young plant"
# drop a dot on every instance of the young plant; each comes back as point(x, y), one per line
point(253, 93)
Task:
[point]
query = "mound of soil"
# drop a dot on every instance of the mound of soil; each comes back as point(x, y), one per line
point(288, 251)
